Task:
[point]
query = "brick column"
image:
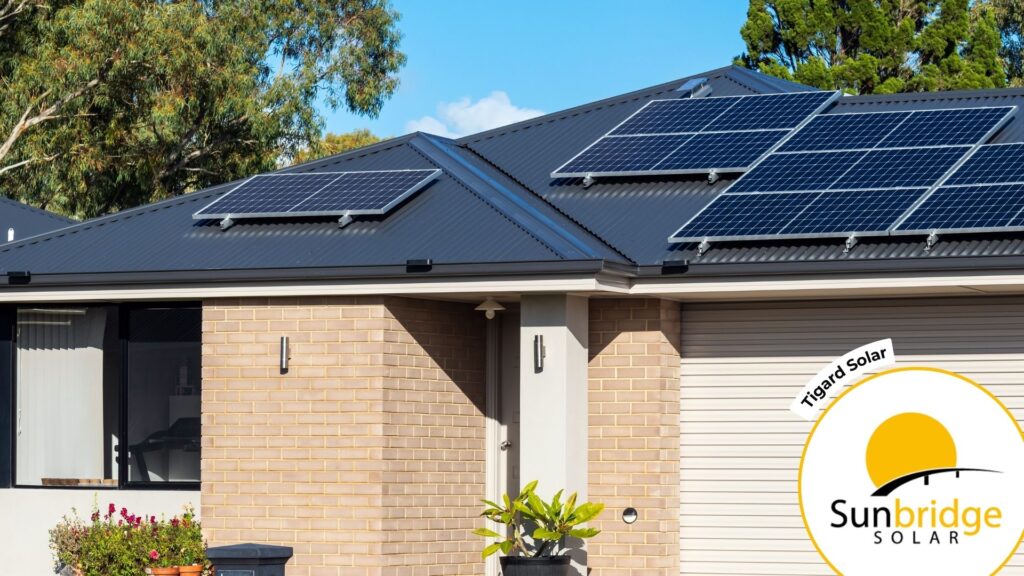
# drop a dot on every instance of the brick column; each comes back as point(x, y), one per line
point(634, 435)
point(368, 455)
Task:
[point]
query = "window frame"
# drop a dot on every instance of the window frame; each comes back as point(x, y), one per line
point(9, 390)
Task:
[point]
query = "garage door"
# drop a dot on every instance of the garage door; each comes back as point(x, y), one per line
point(743, 364)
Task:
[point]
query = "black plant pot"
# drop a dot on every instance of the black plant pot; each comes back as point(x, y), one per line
point(548, 566)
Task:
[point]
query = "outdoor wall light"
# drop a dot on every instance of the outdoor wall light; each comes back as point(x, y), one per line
point(629, 515)
point(489, 307)
point(284, 354)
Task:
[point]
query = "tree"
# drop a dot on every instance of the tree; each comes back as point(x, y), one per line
point(333, 143)
point(875, 46)
point(1009, 16)
point(108, 104)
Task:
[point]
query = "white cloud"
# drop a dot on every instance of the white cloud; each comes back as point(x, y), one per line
point(463, 116)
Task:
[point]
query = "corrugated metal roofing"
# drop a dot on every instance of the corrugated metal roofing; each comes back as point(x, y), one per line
point(495, 204)
point(446, 222)
point(634, 215)
point(27, 220)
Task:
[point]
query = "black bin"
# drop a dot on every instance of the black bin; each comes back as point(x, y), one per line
point(249, 559)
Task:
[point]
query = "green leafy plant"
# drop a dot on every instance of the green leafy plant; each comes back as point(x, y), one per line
point(535, 528)
point(119, 543)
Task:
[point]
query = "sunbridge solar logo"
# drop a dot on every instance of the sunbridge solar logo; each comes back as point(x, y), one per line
point(914, 471)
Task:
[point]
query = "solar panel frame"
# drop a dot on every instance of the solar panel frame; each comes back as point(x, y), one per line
point(208, 212)
point(830, 97)
point(1010, 112)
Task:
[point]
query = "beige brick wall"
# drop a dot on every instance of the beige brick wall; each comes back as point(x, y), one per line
point(634, 435)
point(368, 455)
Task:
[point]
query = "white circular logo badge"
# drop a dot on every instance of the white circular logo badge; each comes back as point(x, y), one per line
point(914, 471)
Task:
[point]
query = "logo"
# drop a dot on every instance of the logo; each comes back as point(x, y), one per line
point(914, 471)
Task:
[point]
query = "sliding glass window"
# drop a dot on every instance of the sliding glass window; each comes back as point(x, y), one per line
point(87, 377)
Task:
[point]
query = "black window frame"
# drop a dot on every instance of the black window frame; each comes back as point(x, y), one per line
point(8, 397)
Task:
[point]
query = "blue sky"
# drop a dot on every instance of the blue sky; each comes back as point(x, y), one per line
point(475, 64)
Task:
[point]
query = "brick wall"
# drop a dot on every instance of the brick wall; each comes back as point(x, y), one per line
point(634, 435)
point(368, 455)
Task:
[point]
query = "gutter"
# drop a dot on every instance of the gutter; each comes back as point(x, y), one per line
point(413, 271)
point(684, 269)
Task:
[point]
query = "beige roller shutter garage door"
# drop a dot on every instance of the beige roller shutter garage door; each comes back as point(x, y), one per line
point(742, 364)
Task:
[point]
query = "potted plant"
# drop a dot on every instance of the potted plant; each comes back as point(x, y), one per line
point(534, 543)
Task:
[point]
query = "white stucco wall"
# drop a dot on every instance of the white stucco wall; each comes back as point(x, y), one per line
point(26, 516)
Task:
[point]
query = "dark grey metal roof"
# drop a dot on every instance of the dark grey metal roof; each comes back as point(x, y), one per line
point(27, 220)
point(494, 210)
point(466, 216)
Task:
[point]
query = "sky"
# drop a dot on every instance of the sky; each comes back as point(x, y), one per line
point(477, 64)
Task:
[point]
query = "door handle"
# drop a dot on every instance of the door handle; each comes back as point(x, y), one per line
point(505, 445)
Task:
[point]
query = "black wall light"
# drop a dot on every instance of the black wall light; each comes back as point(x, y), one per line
point(629, 515)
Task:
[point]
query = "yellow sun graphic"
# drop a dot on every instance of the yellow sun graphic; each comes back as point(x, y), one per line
point(908, 443)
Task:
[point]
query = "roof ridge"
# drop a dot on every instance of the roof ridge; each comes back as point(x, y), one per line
point(559, 240)
point(38, 211)
point(547, 202)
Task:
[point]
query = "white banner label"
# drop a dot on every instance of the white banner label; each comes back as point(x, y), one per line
point(846, 369)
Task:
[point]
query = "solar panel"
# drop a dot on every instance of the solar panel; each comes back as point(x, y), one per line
point(626, 154)
point(907, 167)
point(862, 211)
point(883, 183)
point(968, 208)
point(318, 194)
point(844, 131)
point(796, 172)
point(722, 125)
point(780, 111)
point(674, 116)
point(746, 215)
point(994, 164)
point(945, 127)
point(724, 149)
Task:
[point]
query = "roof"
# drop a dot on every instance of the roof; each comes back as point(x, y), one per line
point(493, 210)
point(27, 220)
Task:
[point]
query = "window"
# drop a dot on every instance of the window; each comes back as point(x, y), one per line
point(163, 395)
point(87, 377)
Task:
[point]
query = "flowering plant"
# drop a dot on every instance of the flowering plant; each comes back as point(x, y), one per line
point(119, 543)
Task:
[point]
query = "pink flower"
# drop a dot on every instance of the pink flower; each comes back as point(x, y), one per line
point(175, 522)
point(152, 519)
point(154, 555)
point(124, 513)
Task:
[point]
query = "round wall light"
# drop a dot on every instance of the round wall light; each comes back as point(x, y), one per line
point(629, 515)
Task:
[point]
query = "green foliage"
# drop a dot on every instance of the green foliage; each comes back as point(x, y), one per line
point(124, 544)
point(332, 144)
point(1009, 19)
point(876, 46)
point(107, 104)
point(548, 524)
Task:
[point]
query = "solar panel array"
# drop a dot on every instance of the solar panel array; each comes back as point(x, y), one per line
point(986, 193)
point(289, 195)
point(696, 135)
point(859, 174)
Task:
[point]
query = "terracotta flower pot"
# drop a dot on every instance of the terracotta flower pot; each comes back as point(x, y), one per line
point(168, 571)
point(190, 570)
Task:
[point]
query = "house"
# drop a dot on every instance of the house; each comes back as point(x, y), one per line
point(334, 387)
